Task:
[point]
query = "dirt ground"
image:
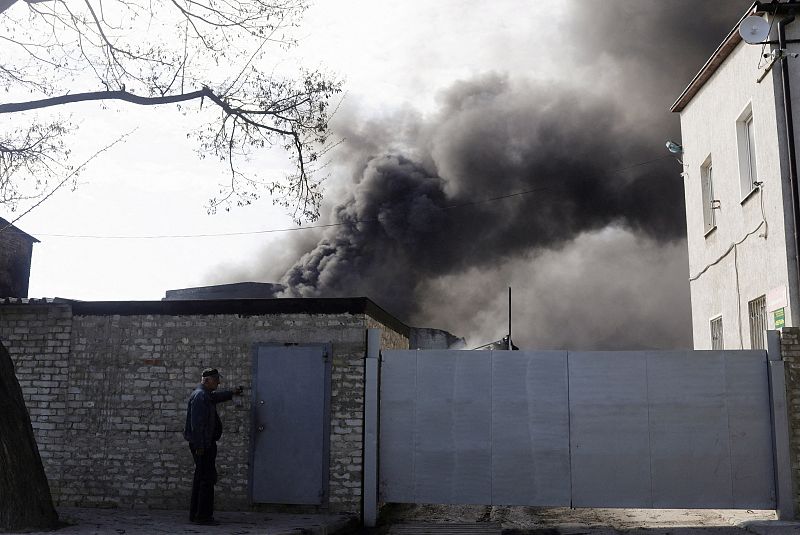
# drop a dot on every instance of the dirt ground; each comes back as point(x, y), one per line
point(574, 521)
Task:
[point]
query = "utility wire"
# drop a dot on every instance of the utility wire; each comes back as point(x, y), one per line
point(288, 229)
point(320, 226)
point(734, 245)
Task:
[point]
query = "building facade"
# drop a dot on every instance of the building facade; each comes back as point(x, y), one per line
point(16, 249)
point(739, 215)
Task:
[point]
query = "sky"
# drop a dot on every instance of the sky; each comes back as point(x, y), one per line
point(449, 108)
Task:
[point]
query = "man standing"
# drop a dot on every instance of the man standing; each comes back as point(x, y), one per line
point(203, 429)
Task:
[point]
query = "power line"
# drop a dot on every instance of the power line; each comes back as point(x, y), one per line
point(288, 229)
point(320, 226)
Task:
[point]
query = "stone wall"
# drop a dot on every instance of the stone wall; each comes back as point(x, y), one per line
point(790, 351)
point(107, 396)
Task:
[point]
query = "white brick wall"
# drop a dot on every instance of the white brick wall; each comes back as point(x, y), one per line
point(107, 397)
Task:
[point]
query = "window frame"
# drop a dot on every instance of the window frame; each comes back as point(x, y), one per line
point(757, 321)
point(748, 157)
point(717, 321)
point(707, 196)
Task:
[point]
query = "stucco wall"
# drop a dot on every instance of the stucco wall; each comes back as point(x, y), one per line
point(107, 397)
point(759, 264)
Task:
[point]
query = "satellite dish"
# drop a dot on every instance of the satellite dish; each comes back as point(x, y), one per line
point(754, 29)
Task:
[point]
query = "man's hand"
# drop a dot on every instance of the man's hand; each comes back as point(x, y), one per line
point(238, 391)
point(199, 452)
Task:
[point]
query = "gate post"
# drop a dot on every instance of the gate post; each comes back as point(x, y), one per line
point(370, 490)
point(780, 428)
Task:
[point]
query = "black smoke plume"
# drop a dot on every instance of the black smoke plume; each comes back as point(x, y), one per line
point(563, 188)
point(408, 220)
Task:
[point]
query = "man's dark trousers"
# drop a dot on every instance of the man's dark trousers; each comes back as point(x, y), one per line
point(205, 476)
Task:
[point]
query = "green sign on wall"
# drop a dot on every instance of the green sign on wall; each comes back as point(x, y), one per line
point(780, 318)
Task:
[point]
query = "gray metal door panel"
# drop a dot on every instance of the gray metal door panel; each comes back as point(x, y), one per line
point(751, 452)
point(667, 429)
point(290, 435)
point(530, 428)
point(453, 415)
point(398, 398)
point(609, 429)
point(691, 465)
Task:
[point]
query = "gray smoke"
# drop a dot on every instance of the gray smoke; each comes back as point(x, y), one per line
point(596, 244)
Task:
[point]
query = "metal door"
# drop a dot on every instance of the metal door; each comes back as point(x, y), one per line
point(650, 429)
point(671, 429)
point(479, 427)
point(290, 434)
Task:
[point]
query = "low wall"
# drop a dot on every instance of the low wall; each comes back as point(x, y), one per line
point(107, 398)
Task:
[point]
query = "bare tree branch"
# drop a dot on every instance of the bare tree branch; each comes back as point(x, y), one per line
point(74, 173)
point(131, 53)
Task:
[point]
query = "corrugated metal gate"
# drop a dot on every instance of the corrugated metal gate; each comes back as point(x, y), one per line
point(645, 429)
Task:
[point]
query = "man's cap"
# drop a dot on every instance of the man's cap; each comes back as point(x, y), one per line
point(211, 372)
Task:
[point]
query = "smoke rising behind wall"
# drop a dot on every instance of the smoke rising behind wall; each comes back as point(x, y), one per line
point(593, 234)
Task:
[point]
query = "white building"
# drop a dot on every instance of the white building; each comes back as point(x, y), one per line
point(743, 262)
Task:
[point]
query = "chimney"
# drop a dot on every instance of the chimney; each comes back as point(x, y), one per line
point(16, 248)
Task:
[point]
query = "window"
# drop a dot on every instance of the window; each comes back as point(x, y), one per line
point(757, 311)
point(716, 333)
point(709, 204)
point(745, 132)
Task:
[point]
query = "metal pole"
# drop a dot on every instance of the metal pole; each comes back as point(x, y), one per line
point(372, 364)
point(509, 318)
point(781, 441)
point(789, 120)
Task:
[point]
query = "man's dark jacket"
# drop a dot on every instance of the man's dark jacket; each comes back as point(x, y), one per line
point(203, 426)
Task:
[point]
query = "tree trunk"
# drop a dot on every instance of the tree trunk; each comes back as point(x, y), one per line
point(25, 500)
point(5, 4)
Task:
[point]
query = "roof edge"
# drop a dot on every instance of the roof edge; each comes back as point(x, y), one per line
point(712, 64)
point(4, 224)
point(241, 306)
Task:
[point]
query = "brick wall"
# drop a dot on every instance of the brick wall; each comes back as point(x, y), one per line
point(790, 351)
point(390, 339)
point(107, 396)
point(38, 340)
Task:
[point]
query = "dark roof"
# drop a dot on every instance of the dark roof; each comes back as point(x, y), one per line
point(717, 58)
point(6, 225)
point(242, 307)
point(237, 290)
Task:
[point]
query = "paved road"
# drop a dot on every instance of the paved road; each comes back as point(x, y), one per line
point(93, 521)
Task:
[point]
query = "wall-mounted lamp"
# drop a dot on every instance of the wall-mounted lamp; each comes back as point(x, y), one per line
point(674, 148)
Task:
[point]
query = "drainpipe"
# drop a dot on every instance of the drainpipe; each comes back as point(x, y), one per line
point(789, 119)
